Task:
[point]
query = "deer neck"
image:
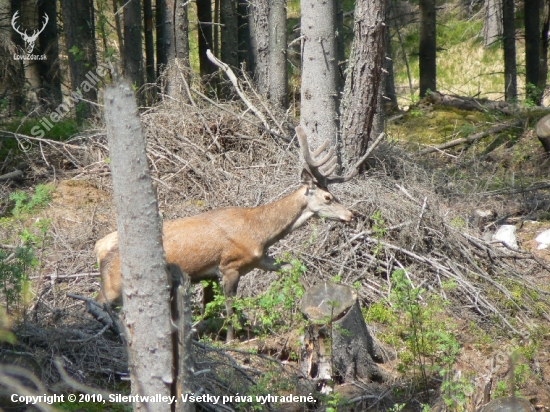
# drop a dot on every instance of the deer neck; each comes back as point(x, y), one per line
point(277, 219)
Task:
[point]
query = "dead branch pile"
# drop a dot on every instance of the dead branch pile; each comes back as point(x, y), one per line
point(207, 154)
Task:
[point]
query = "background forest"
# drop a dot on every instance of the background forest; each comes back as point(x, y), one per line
point(451, 98)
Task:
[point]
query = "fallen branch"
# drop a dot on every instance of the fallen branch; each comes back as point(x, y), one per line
point(472, 138)
point(15, 175)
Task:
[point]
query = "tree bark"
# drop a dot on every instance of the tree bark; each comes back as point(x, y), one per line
point(165, 34)
point(319, 90)
point(149, 42)
point(230, 41)
point(492, 28)
point(532, 48)
point(133, 51)
point(427, 47)
point(146, 305)
point(243, 33)
point(363, 81)
point(49, 70)
point(78, 18)
point(181, 32)
point(204, 14)
point(337, 343)
point(509, 29)
point(259, 36)
point(17, 78)
point(277, 70)
point(543, 70)
point(118, 26)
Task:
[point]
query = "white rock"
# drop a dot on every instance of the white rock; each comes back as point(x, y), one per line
point(507, 235)
point(544, 237)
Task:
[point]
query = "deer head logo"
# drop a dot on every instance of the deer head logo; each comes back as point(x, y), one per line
point(29, 40)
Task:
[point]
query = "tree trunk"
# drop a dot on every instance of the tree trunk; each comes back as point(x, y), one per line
point(50, 72)
point(149, 42)
point(532, 49)
point(230, 41)
point(337, 343)
point(543, 71)
point(17, 78)
point(165, 34)
point(181, 32)
point(78, 19)
point(118, 26)
point(204, 14)
point(29, 21)
point(277, 70)
point(259, 36)
point(510, 74)
point(363, 81)
point(148, 332)
point(319, 91)
point(427, 47)
point(243, 33)
point(133, 51)
point(492, 28)
point(389, 79)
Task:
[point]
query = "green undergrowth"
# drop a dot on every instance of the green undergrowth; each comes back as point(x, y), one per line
point(276, 310)
point(28, 240)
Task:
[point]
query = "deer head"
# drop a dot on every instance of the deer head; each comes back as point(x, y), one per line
point(29, 40)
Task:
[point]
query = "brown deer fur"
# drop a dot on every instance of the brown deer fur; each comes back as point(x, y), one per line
point(229, 242)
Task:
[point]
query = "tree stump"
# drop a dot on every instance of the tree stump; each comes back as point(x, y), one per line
point(337, 344)
point(542, 129)
point(510, 404)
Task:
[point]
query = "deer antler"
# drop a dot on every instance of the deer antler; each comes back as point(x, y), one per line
point(13, 19)
point(328, 162)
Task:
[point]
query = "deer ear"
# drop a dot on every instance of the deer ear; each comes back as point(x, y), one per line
point(307, 179)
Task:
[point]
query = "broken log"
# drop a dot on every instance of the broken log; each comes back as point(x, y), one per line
point(337, 344)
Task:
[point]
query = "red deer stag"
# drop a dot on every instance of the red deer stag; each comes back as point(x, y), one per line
point(231, 241)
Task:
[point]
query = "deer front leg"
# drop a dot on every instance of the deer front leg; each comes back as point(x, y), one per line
point(230, 284)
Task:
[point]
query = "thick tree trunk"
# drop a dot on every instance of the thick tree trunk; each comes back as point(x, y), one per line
point(149, 42)
point(337, 343)
point(133, 51)
point(29, 21)
point(277, 70)
point(259, 36)
point(204, 14)
point(17, 78)
point(319, 90)
point(532, 48)
point(230, 41)
point(510, 73)
point(50, 72)
point(363, 81)
point(78, 18)
point(427, 47)
point(148, 332)
point(492, 28)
